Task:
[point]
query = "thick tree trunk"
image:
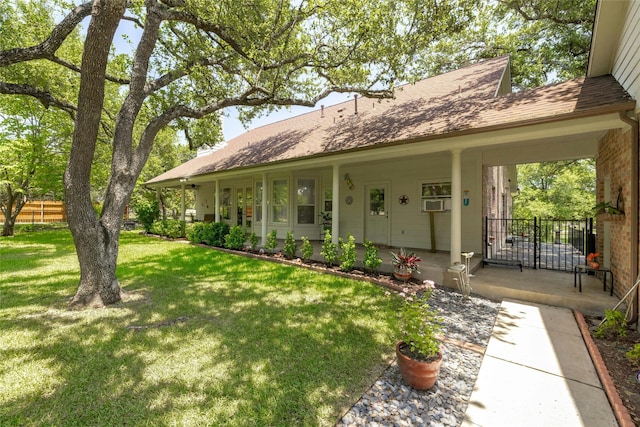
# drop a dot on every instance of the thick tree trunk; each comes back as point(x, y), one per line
point(7, 228)
point(96, 239)
point(97, 248)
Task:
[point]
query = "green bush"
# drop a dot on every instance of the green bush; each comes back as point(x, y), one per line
point(329, 250)
point(171, 228)
point(371, 259)
point(147, 212)
point(236, 238)
point(253, 241)
point(218, 232)
point(307, 249)
point(196, 232)
point(348, 255)
point(290, 246)
point(272, 241)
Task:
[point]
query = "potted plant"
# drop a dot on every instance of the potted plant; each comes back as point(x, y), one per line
point(404, 264)
point(418, 349)
point(592, 260)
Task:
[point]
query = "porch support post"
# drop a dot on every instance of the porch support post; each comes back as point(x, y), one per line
point(335, 205)
point(456, 206)
point(182, 206)
point(216, 202)
point(265, 194)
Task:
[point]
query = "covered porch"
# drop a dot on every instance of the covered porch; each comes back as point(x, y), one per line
point(498, 282)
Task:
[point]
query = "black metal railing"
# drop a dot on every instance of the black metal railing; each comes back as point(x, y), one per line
point(539, 243)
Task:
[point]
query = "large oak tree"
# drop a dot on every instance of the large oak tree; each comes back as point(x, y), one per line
point(190, 60)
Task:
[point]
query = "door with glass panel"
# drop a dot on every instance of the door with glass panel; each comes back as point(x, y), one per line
point(244, 206)
point(377, 213)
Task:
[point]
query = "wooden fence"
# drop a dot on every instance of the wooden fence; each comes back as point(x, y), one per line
point(42, 211)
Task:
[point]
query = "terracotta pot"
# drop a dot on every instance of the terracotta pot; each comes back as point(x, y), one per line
point(593, 264)
point(417, 374)
point(401, 273)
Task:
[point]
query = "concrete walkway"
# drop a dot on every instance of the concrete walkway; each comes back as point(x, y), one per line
point(537, 372)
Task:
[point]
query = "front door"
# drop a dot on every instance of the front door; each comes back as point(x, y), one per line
point(244, 206)
point(377, 213)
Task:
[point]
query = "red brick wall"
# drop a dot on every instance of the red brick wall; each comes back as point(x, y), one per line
point(614, 162)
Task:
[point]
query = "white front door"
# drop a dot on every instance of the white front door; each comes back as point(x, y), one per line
point(377, 213)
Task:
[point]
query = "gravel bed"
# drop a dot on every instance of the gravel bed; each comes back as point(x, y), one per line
point(389, 402)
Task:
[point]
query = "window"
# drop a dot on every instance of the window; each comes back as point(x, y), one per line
point(328, 201)
point(280, 201)
point(225, 206)
point(376, 202)
point(306, 201)
point(258, 216)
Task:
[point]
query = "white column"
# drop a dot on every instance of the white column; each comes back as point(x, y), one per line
point(456, 206)
point(216, 202)
point(335, 202)
point(183, 202)
point(265, 194)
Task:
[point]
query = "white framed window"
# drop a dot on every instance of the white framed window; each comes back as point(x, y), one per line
point(435, 196)
point(306, 200)
point(225, 206)
point(280, 201)
point(258, 201)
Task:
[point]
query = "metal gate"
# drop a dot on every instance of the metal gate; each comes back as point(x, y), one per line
point(539, 243)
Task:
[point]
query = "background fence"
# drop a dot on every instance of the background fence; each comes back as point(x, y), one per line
point(42, 211)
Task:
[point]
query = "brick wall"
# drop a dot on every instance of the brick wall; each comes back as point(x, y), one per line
point(614, 169)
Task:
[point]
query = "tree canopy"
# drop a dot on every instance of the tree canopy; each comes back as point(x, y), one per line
point(548, 40)
point(556, 190)
point(190, 59)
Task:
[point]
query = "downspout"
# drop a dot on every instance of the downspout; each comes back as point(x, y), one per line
point(634, 205)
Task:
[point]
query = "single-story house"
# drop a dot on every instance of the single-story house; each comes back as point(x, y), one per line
point(444, 146)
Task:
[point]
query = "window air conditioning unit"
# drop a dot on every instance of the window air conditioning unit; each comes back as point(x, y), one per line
point(432, 205)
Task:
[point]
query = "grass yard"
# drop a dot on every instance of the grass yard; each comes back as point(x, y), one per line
point(202, 338)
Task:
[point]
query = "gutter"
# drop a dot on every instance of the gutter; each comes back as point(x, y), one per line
point(635, 239)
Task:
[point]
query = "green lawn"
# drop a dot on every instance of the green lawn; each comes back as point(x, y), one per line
point(203, 338)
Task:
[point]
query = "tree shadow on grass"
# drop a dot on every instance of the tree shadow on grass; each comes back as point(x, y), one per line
point(215, 339)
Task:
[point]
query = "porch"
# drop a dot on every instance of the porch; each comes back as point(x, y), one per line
point(498, 282)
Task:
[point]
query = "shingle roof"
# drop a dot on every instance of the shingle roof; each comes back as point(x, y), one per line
point(460, 100)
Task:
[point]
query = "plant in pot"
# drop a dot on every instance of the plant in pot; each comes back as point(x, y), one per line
point(404, 264)
point(592, 260)
point(418, 349)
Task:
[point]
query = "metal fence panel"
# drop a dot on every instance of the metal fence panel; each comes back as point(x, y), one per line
point(539, 243)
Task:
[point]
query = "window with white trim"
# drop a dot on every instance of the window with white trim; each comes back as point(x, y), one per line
point(306, 200)
point(280, 200)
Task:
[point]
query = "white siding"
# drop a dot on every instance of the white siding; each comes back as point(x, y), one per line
point(626, 67)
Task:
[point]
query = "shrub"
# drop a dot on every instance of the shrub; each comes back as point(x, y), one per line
point(216, 233)
point(172, 228)
point(272, 241)
point(290, 246)
point(307, 249)
point(329, 250)
point(147, 212)
point(371, 259)
point(235, 238)
point(196, 231)
point(614, 324)
point(348, 255)
point(253, 241)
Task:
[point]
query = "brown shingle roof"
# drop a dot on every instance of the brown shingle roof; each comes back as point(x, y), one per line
point(460, 100)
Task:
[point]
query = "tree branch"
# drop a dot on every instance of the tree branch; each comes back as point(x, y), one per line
point(46, 98)
point(47, 48)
